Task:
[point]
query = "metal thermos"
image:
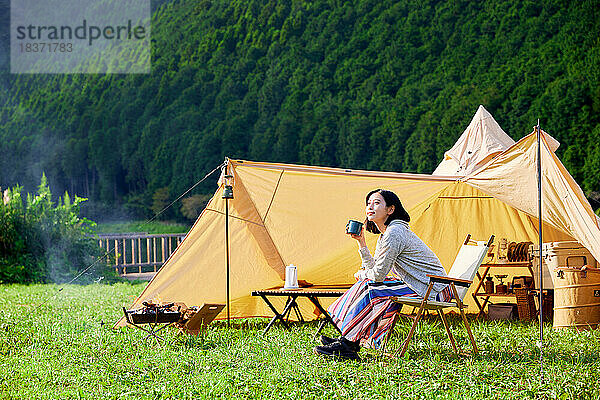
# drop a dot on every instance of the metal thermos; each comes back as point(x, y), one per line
point(291, 277)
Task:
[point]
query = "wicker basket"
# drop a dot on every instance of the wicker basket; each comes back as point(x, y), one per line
point(525, 304)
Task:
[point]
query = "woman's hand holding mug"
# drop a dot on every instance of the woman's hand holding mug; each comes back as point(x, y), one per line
point(355, 230)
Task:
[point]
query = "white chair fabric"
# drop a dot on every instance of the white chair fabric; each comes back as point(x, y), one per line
point(466, 264)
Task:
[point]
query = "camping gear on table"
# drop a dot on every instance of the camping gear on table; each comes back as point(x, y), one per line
point(518, 251)
point(502, 249)
point(489, 285)
point(565, 254)
point(576, 298)
point(501, 287)
point(291, 277)
point(525, 282)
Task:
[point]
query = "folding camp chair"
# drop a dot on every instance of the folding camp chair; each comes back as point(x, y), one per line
point(465, 266)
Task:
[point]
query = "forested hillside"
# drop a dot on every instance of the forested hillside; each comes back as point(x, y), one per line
point(375, 84)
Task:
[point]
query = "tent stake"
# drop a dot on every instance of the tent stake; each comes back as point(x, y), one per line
point(540, 264)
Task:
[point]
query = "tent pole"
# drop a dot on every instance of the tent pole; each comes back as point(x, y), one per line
point(227, 251)
point(540, 263)
point(227, 194)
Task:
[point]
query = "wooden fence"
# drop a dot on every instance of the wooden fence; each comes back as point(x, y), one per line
point(138, 253)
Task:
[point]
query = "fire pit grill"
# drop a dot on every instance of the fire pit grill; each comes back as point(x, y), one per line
point(156, 316)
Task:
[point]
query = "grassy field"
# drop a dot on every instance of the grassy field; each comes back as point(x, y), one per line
point(60, 345)
point(141, 226)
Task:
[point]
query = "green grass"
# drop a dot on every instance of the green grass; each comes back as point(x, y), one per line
point(141, 226)
point(60, 345)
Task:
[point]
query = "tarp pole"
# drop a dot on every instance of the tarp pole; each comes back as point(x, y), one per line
point(540, 263)
point(227, 251)
point(227, 194)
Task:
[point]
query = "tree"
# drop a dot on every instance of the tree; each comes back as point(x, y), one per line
point(160, 201)
point(193, 205)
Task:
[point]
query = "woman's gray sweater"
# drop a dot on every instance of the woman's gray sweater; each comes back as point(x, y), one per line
point(411, 260)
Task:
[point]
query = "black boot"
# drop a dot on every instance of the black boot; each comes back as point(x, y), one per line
point(342, 348)
point(352, 345)
point(326, 340)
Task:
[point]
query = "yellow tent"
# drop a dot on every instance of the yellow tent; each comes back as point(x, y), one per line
point(295, 214)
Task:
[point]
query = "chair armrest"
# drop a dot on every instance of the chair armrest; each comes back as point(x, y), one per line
point(447, 279)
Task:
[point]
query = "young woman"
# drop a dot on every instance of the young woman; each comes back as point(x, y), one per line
point(365, 312)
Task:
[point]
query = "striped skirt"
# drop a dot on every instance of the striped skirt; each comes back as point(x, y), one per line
point(365, 312)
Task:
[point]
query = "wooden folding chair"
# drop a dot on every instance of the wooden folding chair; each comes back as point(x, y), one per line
point(466, 264)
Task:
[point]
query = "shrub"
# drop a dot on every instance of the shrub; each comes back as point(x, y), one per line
point(41, 241)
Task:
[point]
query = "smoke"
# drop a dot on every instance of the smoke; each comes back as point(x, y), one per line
point(106, 213)
point(67, 256)
point(57, 266)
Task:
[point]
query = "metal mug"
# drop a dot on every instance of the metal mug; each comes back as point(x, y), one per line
point(354, 227)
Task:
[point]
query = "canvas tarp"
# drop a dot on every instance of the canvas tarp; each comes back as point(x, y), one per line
point(290, 214)
point(511, 175)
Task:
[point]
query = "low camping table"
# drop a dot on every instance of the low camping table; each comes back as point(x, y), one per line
point(312, 293)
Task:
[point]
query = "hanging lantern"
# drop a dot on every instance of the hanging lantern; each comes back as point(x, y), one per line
point(228, 190)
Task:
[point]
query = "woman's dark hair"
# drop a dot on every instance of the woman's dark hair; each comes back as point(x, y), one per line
point(390, 200)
